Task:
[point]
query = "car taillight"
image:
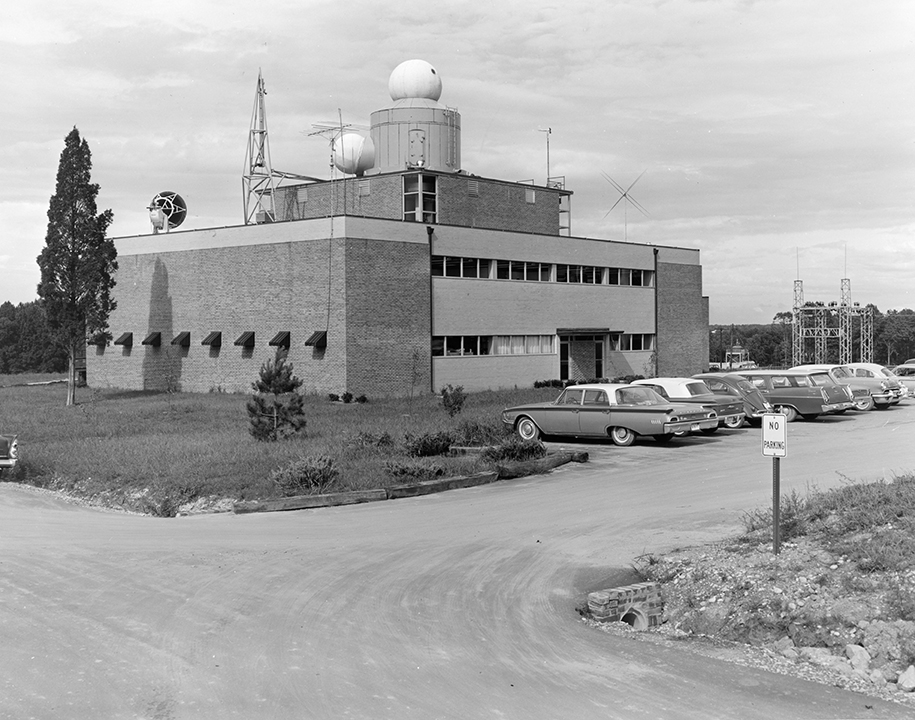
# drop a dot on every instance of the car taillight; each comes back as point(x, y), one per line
point(825, 396)
point(14, 450)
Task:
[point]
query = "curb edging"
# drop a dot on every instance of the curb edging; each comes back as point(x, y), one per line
point(426, 487)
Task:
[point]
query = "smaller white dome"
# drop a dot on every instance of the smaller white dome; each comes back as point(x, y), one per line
point(353, 153)
point(415, 79)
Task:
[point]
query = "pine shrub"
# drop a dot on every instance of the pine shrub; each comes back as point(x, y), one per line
point(276, 410)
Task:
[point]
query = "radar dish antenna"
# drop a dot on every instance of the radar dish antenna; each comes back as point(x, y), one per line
point(167, 211)
point(627, 199)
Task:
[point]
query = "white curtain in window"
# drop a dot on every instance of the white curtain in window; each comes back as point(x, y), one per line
point(501, 344)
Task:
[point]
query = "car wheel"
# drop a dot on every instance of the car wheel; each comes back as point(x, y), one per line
point(865, 404)
point(622, 436)
point(789, 412)
point(810, 416)
point(527, 429)
point(733, 422)
point(709, 431)
point(664, 438)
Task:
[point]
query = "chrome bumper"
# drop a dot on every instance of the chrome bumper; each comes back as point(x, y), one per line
point(691, 425)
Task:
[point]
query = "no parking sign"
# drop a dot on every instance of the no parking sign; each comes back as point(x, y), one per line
point(775, 445)
point(775, 435)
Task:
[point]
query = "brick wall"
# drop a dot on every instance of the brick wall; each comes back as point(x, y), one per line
point(682, 320)
point(387, 318)
point(266, 289)
point(380, 287)
point(497, 206)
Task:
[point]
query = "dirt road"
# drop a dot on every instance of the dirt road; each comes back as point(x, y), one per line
point(458, 605)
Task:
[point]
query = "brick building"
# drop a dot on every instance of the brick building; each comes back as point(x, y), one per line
point(406, 276)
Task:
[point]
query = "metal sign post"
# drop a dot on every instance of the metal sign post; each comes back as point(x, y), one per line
point(775, 445)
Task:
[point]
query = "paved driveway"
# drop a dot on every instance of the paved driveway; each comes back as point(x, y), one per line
point(458, 605)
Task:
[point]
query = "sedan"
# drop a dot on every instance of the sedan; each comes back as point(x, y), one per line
point(689, 390)
point(9, 452)
point(906, 375)
point(879, 372)
point(620, 412)
point(724, 383)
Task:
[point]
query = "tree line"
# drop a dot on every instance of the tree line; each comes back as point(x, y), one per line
point(770, 345)
point(26, 342)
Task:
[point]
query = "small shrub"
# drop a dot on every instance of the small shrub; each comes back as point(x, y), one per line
point(427, 444)
point(413, 470)
point(276, 410)
point(480, 432)
point(453, 399)
point(310, 474)
point(362, 399)
point(370, 439)
point(333, 397)
point(515, 450)
point(549, 383)
point(347, 397)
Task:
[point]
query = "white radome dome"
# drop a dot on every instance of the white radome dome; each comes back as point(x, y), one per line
point(353, 153)
point(415, 79)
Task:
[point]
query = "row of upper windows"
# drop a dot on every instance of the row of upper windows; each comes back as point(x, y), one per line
point(452, 345)
point(462, 267)
point(460, 345)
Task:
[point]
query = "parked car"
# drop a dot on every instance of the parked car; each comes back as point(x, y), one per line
point(879, 393)
point(9, 452)
point(808, 393)
point(880, 372)
point(689, 390)
point(906, 375)
point(620, 412)
point(729, 383)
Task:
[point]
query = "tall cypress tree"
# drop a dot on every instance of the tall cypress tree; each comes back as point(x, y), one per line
point(78, 262)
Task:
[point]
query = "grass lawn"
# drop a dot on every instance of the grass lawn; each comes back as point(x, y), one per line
point(155, 451)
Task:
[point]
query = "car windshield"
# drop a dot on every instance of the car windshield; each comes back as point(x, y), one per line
point(697, 388)
point(822, 379)
point(638, 396)
point(886, 372)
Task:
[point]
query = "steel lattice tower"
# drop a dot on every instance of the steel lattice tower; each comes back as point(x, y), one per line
point(797, 325)
point(821, 332)
point(258, 182)
point(845, 322)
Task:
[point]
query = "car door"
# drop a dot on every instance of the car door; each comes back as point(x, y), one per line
point(562, 418)
point(594, 416)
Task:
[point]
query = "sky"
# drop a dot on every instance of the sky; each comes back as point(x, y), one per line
point(774, 136)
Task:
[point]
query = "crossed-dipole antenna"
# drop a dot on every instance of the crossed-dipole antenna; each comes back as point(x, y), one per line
point(627, 199)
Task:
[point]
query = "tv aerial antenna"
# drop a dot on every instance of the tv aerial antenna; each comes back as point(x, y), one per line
point(627, 200)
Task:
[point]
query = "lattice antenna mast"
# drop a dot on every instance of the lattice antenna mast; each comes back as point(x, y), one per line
point(627, 199)
point(797, 325)
point(259, 180)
